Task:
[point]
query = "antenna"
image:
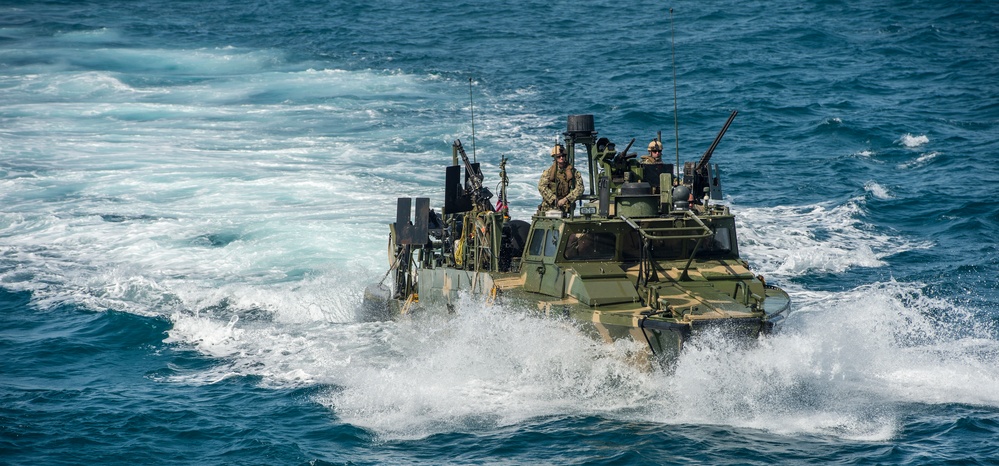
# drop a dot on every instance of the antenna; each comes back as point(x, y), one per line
point(676, 123)
point(471, 107)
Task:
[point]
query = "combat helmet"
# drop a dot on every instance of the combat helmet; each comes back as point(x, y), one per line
point(558, 150)
point(655, 145)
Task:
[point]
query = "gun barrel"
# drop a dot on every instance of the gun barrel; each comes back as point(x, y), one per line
point(474, 177)
point(711, 150)
point(623, 155)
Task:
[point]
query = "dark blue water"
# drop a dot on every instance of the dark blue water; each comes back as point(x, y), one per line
point(194, 193)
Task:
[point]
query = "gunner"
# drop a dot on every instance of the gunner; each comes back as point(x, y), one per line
point(655, 152)
point(560, 184)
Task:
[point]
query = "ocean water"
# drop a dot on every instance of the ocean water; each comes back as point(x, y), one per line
point(193, 195)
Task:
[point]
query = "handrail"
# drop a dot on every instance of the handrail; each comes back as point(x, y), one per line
point(646, 232)
point(693, 253)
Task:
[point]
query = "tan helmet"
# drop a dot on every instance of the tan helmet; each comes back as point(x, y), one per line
point(655, 145)
point(558, 150)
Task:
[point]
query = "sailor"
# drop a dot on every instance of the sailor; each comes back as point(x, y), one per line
point(655, 152)
point(560, 184)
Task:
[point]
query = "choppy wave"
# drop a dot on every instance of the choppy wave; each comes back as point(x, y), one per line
point(877, 190)
point(789, 241)
point(910, 141)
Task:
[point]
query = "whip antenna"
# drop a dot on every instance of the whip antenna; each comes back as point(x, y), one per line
point(676, 123)
point(471, 107)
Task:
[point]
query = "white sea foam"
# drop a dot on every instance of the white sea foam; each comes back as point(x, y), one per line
point(910, 141)
point(920, 161)
point(484, 368)
point(261, 184)
point(99, 35)
point(794, 240)
point(829, 372)
point(877, 190)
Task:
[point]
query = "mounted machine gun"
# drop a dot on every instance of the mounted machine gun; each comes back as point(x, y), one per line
point(702, 177)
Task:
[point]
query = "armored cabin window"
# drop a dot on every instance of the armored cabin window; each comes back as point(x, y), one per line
point(543, 241)
point(590, 246)
point(551, 243)
point(537, 242)
point(715, 246)
point(663, 249)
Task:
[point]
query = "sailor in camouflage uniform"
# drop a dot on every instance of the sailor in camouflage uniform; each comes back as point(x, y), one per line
point(560, 184)
point(655, 152)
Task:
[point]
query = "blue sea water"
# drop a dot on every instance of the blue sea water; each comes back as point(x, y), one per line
point(193, 194)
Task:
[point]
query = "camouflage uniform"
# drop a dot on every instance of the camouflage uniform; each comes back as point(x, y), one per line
point(556, 184)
